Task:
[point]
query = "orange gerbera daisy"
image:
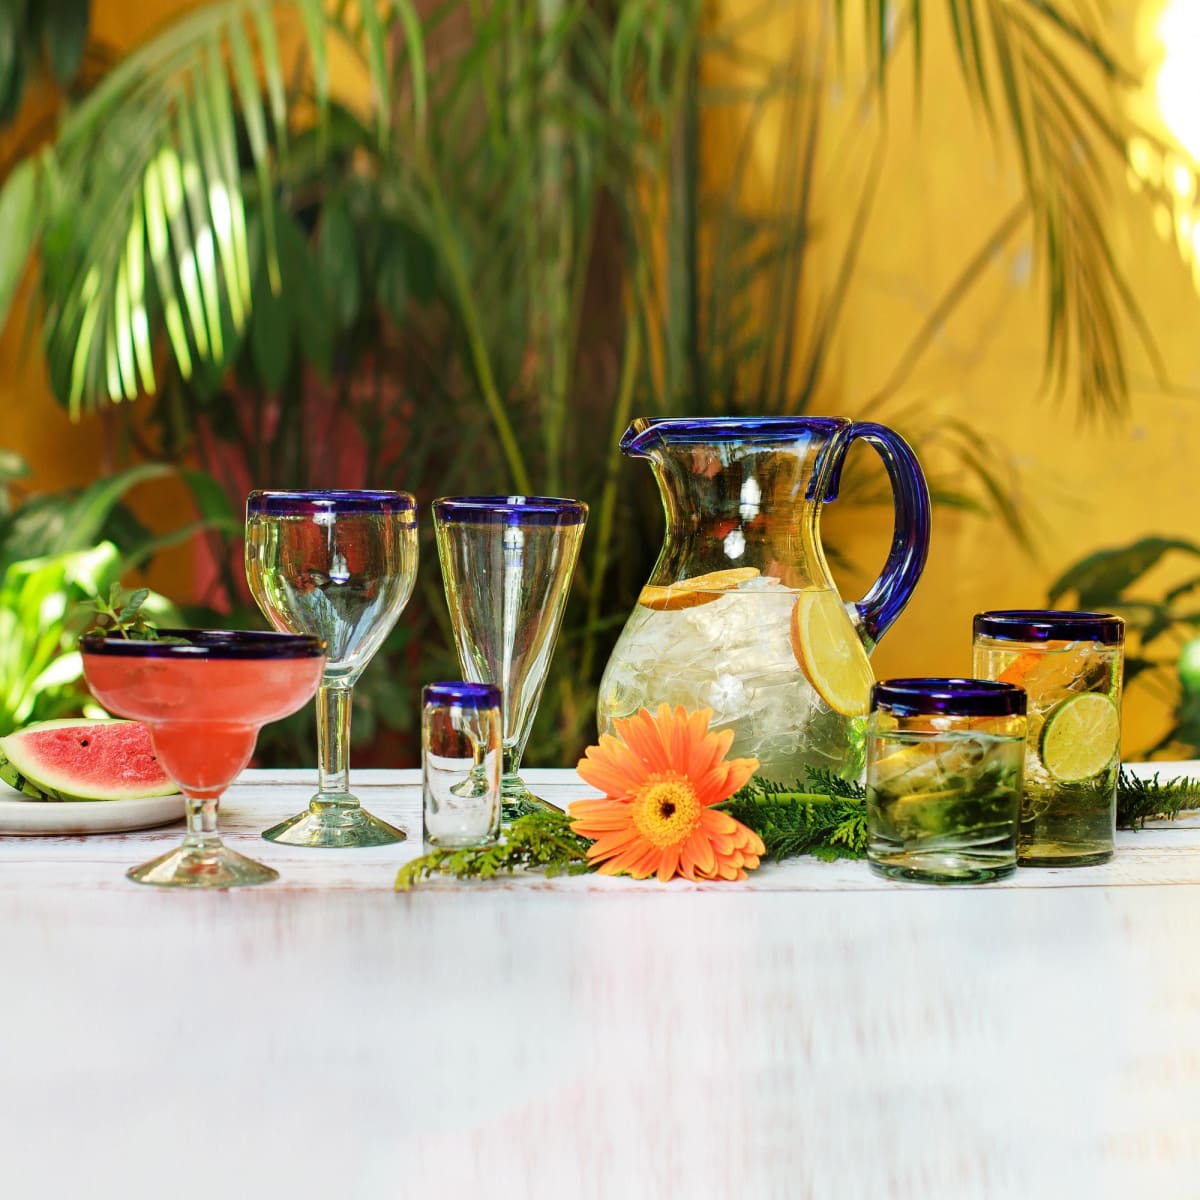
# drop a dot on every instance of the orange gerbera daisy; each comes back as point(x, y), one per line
point(660, 777)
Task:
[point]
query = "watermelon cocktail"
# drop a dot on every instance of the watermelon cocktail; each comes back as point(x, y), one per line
point(204, 694)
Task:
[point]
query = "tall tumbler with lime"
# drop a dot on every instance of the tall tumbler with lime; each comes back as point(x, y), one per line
point(1070, 665)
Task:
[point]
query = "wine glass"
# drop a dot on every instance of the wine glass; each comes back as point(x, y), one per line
point(340, 565)
point(203, 698)
point(507, 563)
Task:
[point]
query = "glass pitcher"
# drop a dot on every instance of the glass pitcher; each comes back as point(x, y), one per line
point(740, 614)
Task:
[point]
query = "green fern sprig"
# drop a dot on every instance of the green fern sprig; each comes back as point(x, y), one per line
point(826, 817)
point(541, 841)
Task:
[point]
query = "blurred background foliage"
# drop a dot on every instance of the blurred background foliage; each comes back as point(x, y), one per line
point(455, 246)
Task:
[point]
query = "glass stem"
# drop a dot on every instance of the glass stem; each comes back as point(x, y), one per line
point(510, 759)
point(202, 821)
point(333, 742)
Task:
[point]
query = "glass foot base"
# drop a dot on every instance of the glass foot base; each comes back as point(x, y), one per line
point(209, 866)
point(1043, 859)
point(516, 800)
point(943, 872)
point(335, 826)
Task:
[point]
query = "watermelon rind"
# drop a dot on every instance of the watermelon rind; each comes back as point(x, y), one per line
point(24, 785)
point(22, 768)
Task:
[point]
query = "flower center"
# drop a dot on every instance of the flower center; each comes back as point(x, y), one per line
point(666, 810)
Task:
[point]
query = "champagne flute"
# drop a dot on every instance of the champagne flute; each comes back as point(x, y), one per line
point(203, 694)
point(340, 565)
point(507, 563)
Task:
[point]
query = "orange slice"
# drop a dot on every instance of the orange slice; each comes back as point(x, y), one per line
point(700, 589)
point(830, 654)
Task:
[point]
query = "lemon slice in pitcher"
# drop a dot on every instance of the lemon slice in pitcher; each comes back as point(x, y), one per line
point(1080, 737)
point(830, 654)
point(700, 589)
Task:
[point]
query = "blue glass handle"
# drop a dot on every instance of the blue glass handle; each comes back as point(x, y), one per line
point(910, 536)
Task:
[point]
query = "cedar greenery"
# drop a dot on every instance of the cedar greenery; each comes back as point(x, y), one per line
point(827, 819)
point(1142, 800)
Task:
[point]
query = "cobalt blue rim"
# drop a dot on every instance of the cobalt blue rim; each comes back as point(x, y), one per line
point(645, 433)
point(951, 696)
point(304, 504)
point(463, 695)
point(1048, 624)
point(207, 643)
point(509, 510)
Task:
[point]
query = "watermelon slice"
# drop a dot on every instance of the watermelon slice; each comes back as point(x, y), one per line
point(82, 759)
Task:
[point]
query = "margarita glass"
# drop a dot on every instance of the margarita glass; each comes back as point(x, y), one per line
point(203, 698)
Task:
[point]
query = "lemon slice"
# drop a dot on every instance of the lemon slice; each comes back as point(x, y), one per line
point(700, 589)
point(1080, 737)
point(830, 654)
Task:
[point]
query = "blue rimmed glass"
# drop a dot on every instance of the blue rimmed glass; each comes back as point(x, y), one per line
point(340, 565)
point(507, 563)
point(945, 758)
point(461, 759)
point(1071, 664)
point(204, 700)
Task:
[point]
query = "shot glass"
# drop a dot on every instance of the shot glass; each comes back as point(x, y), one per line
point(1071, 666)
point(461, 759)
point(944, 765)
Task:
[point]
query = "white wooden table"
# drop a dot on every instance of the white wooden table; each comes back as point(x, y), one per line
point(814, 1032)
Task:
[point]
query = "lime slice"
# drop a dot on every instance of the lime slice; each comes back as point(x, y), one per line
point(1080, 737)
point(830, 654)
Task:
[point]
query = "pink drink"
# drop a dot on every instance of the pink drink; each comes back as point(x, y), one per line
point(204, 714)
point(203, 694)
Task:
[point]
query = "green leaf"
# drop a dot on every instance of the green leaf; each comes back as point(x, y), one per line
point(20, 225)
point(12, 35)
point(314, 25)
point(255, 124)
point(420, 265)
point(381, 79)
point(272, 66)
point(195, 190)
point(303, 293)
point(337, 260)
point(85, 516)
point(214, 112)
point(415, 48)
point(134, 602)
point(391, 284)
point(1101, 579)
point(270, 340)
point(154, 211)
point(66, 31)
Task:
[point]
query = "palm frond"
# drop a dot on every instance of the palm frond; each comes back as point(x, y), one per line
point(1023, 56)
point(148, 166)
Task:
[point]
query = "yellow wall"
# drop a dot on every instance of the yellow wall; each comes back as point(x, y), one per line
point(1082, 487)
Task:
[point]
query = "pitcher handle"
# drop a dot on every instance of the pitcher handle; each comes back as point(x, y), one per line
point(910, 535)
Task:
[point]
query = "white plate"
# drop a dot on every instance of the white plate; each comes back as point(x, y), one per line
point(19, 814)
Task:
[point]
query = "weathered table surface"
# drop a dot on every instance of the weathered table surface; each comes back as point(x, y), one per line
point(815, 1031)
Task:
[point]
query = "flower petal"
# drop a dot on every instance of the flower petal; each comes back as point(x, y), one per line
point(611, 768)
point(701, 851)
point(668, 864)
